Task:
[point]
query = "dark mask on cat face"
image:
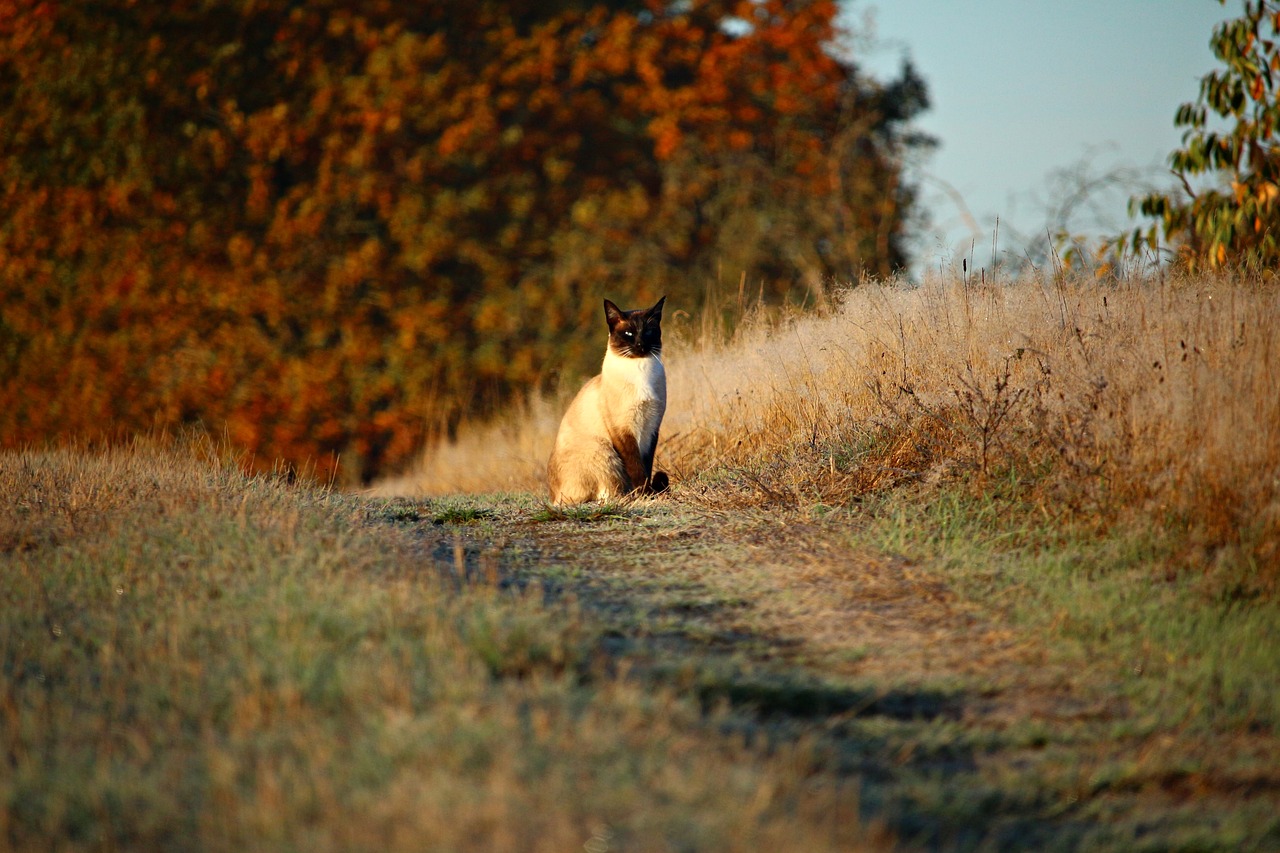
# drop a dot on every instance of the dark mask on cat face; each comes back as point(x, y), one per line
point(634, 334)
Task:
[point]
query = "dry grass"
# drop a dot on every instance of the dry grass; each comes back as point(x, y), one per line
point(194, 659)
point(1133, 401)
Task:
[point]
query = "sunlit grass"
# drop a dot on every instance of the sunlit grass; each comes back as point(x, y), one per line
point(1121, 403)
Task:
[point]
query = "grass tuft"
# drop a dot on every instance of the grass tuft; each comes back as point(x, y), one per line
point(460, 513)
point(587, 513)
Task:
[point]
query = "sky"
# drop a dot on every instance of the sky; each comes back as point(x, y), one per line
point(1024, 94)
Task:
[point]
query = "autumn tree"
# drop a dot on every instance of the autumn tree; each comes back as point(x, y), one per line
point(330, 228)
point(1236, 224)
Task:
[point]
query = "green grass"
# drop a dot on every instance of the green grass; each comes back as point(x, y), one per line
point(584, 513)
point(1165, 736)
point(1174, 643)
point(447, 511)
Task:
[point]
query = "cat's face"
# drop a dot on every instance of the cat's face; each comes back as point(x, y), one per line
point(634, 334)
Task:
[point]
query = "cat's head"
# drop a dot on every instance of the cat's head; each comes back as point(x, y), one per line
point(634, 334)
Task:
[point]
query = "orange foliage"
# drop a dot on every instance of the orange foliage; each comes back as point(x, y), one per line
point(330, 229)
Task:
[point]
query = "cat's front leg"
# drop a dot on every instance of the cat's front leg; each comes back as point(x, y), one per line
point(628, 450)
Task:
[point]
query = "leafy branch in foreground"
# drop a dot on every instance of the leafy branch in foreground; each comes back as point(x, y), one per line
point(1234, 224)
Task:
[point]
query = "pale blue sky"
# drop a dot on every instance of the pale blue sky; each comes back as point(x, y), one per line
point(1023, 88)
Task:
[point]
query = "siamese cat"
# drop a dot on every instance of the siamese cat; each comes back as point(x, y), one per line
point(605, 446)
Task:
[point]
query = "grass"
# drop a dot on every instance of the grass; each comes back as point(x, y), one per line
point(669, 676)
point(588, 512)
point(191, 658)
point(1121, 403)
point(1169, 705)
point(1036, 691)
point(953, 567)
point(1083, 468)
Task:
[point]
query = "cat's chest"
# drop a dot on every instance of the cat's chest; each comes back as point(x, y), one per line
point(640, 382)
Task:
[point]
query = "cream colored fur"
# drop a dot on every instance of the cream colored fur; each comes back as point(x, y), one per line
point(629, 397)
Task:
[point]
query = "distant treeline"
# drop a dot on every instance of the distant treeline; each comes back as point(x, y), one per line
point(330, 228)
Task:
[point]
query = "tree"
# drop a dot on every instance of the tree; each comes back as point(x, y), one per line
point(1237, 224)
point(330, 228)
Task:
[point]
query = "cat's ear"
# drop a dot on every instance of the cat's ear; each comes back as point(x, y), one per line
point(656, 311)
point(612, 314)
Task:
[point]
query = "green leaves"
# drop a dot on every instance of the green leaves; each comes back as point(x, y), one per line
point(1234, 226)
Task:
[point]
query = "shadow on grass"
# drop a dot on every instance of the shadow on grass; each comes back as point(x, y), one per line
point(767, 695)
point(914, 751)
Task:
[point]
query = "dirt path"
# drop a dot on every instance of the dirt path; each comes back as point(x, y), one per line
point(961, 729)
point(801, 595)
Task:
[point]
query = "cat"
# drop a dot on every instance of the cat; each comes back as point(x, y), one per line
point(606, 442)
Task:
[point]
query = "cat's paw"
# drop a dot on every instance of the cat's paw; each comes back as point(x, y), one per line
point(658, 483)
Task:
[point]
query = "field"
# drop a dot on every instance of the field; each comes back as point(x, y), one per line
point(963, 566)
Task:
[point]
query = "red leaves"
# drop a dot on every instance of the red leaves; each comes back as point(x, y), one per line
point(331, 229)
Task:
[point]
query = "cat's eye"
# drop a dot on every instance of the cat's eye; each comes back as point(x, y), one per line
point(629, 334)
